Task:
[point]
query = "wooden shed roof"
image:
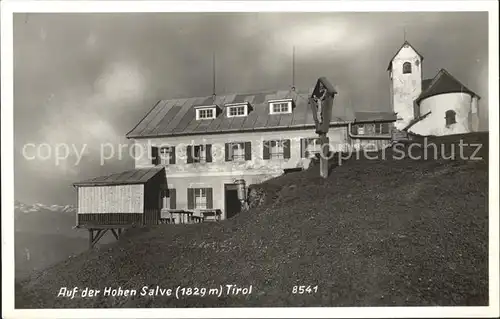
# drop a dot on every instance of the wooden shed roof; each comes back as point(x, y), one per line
point(135, 176)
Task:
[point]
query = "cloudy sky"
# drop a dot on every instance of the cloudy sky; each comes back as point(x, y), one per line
point(87, 79)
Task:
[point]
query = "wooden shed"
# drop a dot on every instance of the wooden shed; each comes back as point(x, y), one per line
point(114, 202)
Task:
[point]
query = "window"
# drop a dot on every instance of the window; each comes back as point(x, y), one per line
point(382, 128)
point(310, 147)
point(406, 67)
point(234, 111)
point(361, 129)
point(200, 198)
point(450, 117)
point(168, 198)
point(199, 153)
point(165, 200)
point(238, 151)
point(280, 107)
point(277, 149)
point(204, 114)
point(167, 155)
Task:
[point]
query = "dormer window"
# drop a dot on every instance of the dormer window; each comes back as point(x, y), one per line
point(207, 113)
point(237, 110)
point(280, 107)
point(406, 67)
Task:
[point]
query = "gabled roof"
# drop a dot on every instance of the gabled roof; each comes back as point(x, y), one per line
point(176, 117)
point(426, 83)
point(134, 176)
point(443, 83)
point(405, 43)
point(374, 116)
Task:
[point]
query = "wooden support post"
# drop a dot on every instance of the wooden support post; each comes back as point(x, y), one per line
point(324, 155)
point(98, 235)
point(91, 238)
point(115, 233)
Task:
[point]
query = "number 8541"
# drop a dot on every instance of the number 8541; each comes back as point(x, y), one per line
point(301, 290)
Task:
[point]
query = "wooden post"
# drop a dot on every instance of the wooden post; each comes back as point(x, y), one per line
point(91, 238)
point(323, 160)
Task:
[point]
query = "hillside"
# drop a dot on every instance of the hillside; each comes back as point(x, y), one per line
point(375, 233)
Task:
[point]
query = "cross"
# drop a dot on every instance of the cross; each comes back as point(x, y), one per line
point(319, 101)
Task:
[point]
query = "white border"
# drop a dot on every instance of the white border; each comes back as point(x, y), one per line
point(7, 9)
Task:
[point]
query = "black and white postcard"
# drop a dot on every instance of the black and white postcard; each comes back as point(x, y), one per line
point(204, 159)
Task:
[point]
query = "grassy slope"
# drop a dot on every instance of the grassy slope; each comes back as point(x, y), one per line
point(386, 232)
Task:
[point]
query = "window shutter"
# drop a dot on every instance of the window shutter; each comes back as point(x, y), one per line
point(303, 152)
point(210, 200)
point(189, 153)
point(172, 154)
point(208, 154)
point(154, 155)
point(265, 150)
point(385, 128)
point(190, 198)
point(248, 151)
point(173, 198)
point(286, 149)
point(227, 150)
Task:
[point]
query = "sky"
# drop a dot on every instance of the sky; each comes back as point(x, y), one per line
point(89, 78)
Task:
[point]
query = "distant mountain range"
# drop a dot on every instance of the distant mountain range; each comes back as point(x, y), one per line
point(24, 208)
point(45, 219)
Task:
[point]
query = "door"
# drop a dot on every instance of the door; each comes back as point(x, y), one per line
point(232, 203)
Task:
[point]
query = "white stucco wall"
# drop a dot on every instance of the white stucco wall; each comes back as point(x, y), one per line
point(337, 135)
point(435, 123)
point(405, 87)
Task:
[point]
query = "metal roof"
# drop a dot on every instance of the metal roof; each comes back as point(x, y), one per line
point(405, 43)
point(375, 116)
point(443, 83)
point(134, 176)
point(426, 83)
point(177, 116)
